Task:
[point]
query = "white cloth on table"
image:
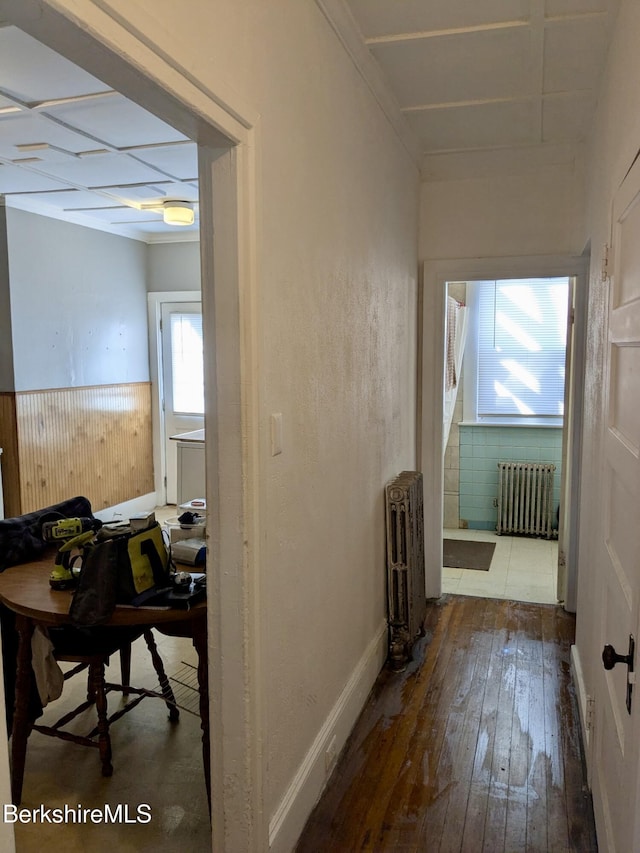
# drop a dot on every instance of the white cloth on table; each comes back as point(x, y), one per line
point(49, 676)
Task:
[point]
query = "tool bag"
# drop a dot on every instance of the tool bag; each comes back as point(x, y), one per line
point(21, 537)
point(124, 568)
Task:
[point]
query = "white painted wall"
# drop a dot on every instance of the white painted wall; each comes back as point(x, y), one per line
point(78, 305)
point(337, 205)
point(173, 266)
point(6, 350)
point(339, 326)
point(496, 205)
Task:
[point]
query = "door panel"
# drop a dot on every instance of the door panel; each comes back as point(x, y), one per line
point(618, 730)
point(182, 379)
point(626, 285)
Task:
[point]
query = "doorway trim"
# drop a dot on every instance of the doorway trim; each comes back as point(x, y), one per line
point(108, 46)
point(435, 275)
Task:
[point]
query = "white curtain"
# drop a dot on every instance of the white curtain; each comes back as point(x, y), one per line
point(456, 333)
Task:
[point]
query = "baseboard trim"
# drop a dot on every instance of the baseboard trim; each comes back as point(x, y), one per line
point(308, 783)
point(584, 706)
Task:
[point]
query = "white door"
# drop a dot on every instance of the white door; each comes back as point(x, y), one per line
point(617, 730)
point(182, 379)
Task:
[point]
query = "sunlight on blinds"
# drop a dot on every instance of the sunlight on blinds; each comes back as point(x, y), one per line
point(521, 347)
point(187, 363)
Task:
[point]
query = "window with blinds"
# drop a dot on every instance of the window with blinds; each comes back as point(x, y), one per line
point(187, 366)
point(520, 335)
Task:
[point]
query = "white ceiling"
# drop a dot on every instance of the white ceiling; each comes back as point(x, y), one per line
point(468, 75)
point(488, 74)
point(72, 148)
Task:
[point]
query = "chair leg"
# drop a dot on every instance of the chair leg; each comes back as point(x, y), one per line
point(21, 723)
point(96, 676)
point(125, 668)
point(165, 687)
point(91, 693)
point(200, 645)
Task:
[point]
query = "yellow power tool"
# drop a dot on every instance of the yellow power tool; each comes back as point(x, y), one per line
point(62, 576)
point(73, 533)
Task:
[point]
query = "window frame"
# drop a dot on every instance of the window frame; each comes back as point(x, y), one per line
point(471, 363)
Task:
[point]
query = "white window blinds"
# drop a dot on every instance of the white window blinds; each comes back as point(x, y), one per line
point(187, 363)
point(522, 330)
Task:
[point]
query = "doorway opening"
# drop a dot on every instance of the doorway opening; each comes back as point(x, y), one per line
point(177, 362)
point(432, 388)
point(503, 404)
point(226, 152)
point(84, 267)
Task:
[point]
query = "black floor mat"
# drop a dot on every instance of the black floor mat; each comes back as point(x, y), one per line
point(465, 554)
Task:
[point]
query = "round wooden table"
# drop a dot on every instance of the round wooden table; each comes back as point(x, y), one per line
point(25, 590)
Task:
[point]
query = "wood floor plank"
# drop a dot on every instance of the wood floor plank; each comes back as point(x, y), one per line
point(458, 718)
point(481, 647)
point(476, 746)
point(554, 716)
point(357, 774)
point(578, 813)
point(522, 726)
point(537, 783)
point(444, 705)
point(397, 778)
point(478, 805)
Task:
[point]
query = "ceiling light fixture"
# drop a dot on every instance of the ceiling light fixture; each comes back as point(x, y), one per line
point(178, 212)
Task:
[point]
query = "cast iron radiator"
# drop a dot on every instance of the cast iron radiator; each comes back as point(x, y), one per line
point(525, 498)
point(405, 564)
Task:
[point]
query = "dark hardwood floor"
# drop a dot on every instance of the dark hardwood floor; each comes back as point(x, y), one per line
point(474, 747)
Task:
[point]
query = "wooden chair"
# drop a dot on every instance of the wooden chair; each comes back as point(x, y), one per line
point(91, 650)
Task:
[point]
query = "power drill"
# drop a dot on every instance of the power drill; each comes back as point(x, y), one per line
point(74, 533)
point(66, 528)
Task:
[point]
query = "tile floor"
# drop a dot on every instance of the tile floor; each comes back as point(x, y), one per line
point(522, 569)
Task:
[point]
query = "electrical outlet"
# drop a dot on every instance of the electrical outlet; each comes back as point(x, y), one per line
point(330, 756)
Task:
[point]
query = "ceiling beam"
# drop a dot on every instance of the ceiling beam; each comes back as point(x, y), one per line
point(537, 63)
point(454, 31)
point(532, 21)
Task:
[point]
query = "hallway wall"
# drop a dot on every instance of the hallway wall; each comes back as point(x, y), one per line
point(335, 338)
point(502, 204)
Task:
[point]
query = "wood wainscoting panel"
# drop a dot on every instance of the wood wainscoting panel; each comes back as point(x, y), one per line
point(94, 441)
point(9, 461)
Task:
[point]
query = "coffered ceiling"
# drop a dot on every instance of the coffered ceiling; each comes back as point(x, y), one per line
point(467, 75)
point(487, 74)
point(73, 148)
